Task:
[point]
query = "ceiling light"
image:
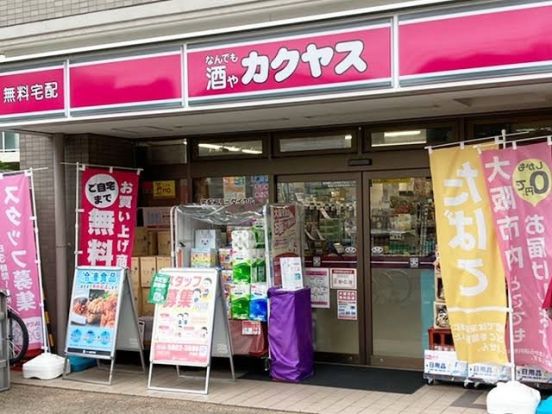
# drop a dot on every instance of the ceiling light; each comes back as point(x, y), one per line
point(251, 151)
point(232, 149)
point(401, 133)
point(210, 146)
point(348, 137)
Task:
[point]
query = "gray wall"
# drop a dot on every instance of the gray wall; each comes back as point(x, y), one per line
point(14, 12)
point(36, 152)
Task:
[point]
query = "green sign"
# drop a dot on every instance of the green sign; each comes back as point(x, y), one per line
point(159, 289)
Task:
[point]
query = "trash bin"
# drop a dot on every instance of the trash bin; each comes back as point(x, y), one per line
point(4, 346)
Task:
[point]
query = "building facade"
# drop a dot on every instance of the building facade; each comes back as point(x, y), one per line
point(350, 147)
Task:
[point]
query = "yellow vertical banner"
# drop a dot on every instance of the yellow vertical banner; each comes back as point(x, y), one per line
point(471, 266)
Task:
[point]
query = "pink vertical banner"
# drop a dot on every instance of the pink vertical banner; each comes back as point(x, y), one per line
point(19, 273)
point(519, 186)
point(108, 219)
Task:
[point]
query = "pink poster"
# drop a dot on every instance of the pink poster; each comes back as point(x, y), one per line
point(108, 219)
point(519, 186)
point(18, 260)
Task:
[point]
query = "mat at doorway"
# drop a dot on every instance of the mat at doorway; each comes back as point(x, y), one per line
point(357, 378)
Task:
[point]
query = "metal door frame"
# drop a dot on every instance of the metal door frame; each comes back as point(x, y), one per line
point(361, 305)
point(369, 357)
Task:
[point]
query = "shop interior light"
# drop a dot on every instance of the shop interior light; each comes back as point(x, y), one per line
point(232, 149)
point(210, 146)
point(251, 151)
point(348, 137)
point(401, 133)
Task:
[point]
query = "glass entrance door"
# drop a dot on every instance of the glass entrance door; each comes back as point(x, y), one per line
point(333, 242)
point(401, 229)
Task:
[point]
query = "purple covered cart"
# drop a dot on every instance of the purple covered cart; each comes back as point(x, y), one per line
point(290, 335)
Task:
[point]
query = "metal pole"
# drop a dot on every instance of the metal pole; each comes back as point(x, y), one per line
point(61, 240)
point(45, 346)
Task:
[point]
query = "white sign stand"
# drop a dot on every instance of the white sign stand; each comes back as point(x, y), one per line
point(219, 343)
point(126, 329)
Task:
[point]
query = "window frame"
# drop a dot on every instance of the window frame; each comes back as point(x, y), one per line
point(313, 133)
point(195, 156)
point(367, 146)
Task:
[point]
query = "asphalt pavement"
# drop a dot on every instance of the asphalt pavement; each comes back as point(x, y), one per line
point(23, 399)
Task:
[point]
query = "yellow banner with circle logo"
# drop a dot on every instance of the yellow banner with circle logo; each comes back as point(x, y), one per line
point(471, 266)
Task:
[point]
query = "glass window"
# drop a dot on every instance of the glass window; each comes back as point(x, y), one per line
point(11, 141)
point(317, 142)
point(402, 217)
point(229, 148)
point(331, 241)
point(412, 136)
point(167, 152)
point(402, 223)
point(245, 192)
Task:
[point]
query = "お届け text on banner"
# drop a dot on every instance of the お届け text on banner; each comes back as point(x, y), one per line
point(473, 277)
point(108, 218)
point(519, 187)
point(19, 273)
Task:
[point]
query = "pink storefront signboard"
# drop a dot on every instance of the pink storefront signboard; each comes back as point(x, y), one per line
point(345, 57)
point(506, 38)
point(32, 92)
point(519, 183)
point(18, 255)
point(151, 79)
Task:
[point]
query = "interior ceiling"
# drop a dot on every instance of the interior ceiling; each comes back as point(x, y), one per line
point(361, 110)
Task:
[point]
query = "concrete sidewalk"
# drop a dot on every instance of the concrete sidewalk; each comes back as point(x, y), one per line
point(269, 396)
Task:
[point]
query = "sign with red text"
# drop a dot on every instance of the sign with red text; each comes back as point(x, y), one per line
point(108, 216)
point(318, 280)
point(19, 274)
point(354, 57)
point(519, 184)
point(347, 305)
point(32, 92)
point(343, 278)
point(285, 236)
point(182, 327)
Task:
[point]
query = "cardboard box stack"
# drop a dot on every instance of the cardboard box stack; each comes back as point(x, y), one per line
point(152, 251)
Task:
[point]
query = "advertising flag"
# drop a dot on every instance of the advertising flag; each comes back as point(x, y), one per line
point(108, 218)
point(19, 274)
point(473, 277)
point(519, 188)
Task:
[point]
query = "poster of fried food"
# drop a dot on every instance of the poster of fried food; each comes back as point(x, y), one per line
point(92, 324)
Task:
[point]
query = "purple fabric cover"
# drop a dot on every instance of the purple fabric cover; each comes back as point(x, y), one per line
point(290, 335)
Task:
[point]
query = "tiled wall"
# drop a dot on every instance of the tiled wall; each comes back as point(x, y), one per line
point(36, 152)
point(13, 12)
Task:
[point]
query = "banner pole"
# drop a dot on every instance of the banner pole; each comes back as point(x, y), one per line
point(511, 334)
point(45, 346)
point(77, 211)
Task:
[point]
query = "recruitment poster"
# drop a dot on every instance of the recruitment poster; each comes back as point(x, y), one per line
point(19, 274)
point(519, 186)
point(182, 325)
point(108, 219)
point(471, 267)
point(93, 316)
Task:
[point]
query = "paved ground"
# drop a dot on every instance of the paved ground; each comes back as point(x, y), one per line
point(24, 399)
point(129, 394)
